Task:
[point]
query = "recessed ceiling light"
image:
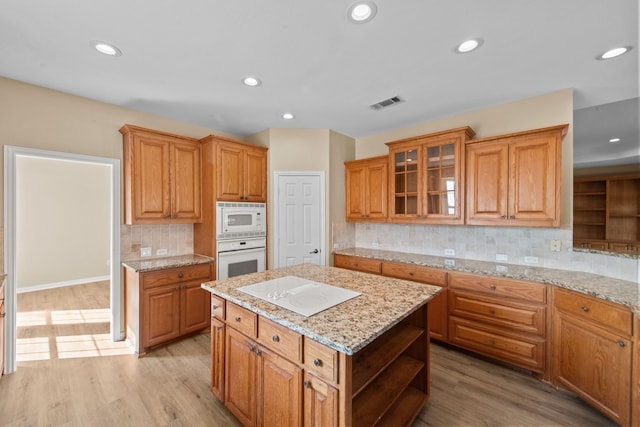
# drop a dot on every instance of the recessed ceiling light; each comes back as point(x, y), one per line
point(469, 45)
point(614, 140)
point(105, 48)
point(288, 116)
point(251, 81)
point(362, 11)
point(615, 52)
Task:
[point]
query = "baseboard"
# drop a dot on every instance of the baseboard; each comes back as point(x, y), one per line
point(61, 284)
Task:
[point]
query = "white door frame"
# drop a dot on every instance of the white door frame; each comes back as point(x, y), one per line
point(276, 213)
point(10, 154)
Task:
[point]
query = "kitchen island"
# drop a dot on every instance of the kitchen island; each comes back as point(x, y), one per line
point(362, 362)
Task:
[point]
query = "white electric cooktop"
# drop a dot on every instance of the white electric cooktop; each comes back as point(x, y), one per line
point(302, 296)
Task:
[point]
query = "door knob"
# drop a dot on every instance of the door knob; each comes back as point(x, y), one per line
point(315, 251)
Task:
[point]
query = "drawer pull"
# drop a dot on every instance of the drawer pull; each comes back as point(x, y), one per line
point(492, 311)
point(218, 328)
point(251, 347)
point(492, 287)
point(620, 343)
point(215, 307)
point(317, 362)
point(258, 352)
point(307, 384)
point(180, 275)
point(585, 309)
point(275, 338)
point(411, 273)
point(238, 319)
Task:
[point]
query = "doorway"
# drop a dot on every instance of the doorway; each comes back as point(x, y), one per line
point(12, 157)
point(299, 214)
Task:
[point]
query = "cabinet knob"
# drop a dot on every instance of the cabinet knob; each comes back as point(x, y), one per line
point(215, 307)
point(258, 352)
point(180, 275)
point(317, 362)
point(620, 343)
point(251, 347)
point(411, 273)
point(503, 217)
point(275, 338)
point(492, 311)
point(307, 384)
point(238, 319)
point(585, 309)
point(512, 217)
point(218, 328)
point(492, 287)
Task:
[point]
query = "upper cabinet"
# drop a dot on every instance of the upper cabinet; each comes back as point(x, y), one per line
point(515, 179)
point(162, 181)
point(366, 189)
point(426, 177)
point(241, 172)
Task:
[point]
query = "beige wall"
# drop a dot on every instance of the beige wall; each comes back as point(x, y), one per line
point(546, 110)
point(62, 221)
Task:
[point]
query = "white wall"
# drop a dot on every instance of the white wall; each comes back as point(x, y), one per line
point(62, 222)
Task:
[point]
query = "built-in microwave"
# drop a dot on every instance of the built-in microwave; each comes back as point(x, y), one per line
point(238, 220)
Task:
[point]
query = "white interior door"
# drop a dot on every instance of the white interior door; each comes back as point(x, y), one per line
point(299, 221)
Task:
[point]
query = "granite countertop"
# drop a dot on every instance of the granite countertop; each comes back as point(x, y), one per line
point(346, 327)
point(150, 264)
point(615, 290)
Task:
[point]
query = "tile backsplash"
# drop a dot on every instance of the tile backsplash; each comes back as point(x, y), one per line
point(521, 245)
point(177, 239)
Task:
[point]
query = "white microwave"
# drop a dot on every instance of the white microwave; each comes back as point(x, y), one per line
point(237, 220)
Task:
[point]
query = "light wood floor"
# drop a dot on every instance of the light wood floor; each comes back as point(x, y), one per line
point(96, 385)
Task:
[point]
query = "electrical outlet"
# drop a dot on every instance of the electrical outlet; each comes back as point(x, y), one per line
point(449, 252)
point(161, 252)
point(502, 257)
point(501, 268)
point(556, 245)
point(531, 259)
point(449, 262)
point(145, 251)
point(336, 246)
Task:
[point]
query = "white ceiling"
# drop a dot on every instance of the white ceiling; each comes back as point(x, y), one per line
point(185, 60)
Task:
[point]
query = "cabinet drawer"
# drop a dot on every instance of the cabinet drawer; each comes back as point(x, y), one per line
point(320, 360)
point(417, 273)
point(507, 288)
point(609, 315)
point(527, 352)
point(176, 275)
point(242, 319)
point(518, 316)
point(280, 339)
point(357, 263)
point(217, 307)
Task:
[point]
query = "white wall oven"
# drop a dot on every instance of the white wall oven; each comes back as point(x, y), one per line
point(241, 238)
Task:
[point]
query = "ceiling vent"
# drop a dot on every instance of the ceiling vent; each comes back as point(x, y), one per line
point(386, 103)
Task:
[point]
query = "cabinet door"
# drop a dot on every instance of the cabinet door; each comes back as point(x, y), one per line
point(160, 315)
point(229, 165)
point(150, 180)
point(217, 358)
point(593, 363)
point(355, 198)
point(255, 175)
point(405, 189)
point(487, 183)
point(240, 377)
point(438, 316)
point(185, 182)
point(194, 308)
point(442, 180)
point(532, 181)
point(279, 390)
point(320, 403)
point(375, 190)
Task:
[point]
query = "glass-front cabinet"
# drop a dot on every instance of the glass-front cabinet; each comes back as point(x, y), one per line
point(427, 177)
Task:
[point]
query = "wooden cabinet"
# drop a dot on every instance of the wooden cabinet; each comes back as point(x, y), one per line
point(242, 172)
point(635, 392)
point(162, 179)
point(358, 264)
point(2, 316)
point(366, 189)
point(218, 334)
point(606, 213)
point(261, 387)
point(593, 352)
point(321, 404)
point(431, 276)
point(515, 179)
point(501, 318)
point(163, 305)
point(426, 177)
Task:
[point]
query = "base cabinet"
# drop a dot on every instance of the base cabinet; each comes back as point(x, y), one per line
point(217, 357)
point(2, 315)
point(321, 403)
point(593, 352)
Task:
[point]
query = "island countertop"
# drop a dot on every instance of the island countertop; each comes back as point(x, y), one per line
point(346, 327)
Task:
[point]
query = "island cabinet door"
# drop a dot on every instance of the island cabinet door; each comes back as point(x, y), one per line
point(320, 403)
point(240, 375)
point(279, 390)
point(217, 358)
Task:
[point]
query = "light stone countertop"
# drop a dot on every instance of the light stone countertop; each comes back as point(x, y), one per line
point(346, 327)
point(151, 264)
point(615, 290)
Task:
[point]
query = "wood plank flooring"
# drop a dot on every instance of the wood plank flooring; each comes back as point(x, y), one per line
point(170, 386)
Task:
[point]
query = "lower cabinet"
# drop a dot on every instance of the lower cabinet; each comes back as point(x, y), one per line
point(2, 315)
point(217, 357)
point(163, 305)
point(593, 352)
point(321, 403)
